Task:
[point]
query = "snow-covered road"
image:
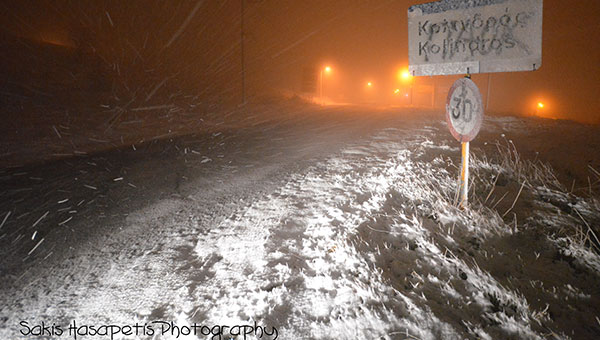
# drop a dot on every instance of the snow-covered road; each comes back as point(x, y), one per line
point(328, 231)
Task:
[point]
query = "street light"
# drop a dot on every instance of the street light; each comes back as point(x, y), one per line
point(369, 84)
point(538, 108)
point(326, 69)
point(406, 77)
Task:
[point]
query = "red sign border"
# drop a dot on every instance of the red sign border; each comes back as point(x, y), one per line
point(479, 116)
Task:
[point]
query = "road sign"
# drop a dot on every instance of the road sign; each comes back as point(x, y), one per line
point(464, 115)
point(464, 110)
point(466, 36)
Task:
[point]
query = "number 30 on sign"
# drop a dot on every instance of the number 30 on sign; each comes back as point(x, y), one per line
point(464, 110)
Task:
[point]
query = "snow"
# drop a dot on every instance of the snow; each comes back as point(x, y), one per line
point(365, 241)
point(329, 295)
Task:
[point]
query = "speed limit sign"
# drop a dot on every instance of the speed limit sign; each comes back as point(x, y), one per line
point(464, 110)
point(464, 114)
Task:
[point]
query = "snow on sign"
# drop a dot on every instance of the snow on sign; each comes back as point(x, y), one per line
point(474, 36)
point(464, 110)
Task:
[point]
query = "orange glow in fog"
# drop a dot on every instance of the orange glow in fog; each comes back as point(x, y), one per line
point(542, 110)
point(405, 75)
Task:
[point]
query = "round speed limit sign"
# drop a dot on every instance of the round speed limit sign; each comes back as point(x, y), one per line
point(464, 110)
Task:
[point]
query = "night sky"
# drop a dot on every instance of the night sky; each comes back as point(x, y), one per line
point(142, 48)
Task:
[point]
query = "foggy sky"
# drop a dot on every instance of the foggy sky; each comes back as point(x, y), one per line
point(195, 47)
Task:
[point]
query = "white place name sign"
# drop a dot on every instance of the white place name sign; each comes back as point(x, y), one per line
point(474, 36)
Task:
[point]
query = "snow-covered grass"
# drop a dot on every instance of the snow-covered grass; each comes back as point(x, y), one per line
point(372, 244)
point(367, 242)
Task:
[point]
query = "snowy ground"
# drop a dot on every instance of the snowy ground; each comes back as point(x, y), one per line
point(328, 226)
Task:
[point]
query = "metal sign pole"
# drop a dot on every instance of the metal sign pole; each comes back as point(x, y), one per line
point(464, 176)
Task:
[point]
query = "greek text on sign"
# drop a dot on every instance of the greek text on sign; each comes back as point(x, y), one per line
point(474, 36)
point(464, 110)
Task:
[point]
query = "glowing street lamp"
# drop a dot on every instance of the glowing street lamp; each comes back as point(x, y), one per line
point(326, 69)
point(538, 107)
point(406, 77)
point(369, 84)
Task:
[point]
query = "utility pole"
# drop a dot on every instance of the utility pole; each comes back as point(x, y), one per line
point(242, 50)
point(321, 86)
